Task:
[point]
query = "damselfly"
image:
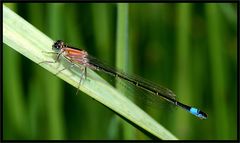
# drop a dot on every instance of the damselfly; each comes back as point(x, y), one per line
point(80, 57)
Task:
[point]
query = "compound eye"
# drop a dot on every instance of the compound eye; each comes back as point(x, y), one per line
point(57, 45)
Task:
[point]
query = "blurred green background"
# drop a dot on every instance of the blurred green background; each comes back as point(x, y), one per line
point(189, 48)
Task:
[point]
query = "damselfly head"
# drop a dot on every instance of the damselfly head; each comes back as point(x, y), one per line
point(58, 45)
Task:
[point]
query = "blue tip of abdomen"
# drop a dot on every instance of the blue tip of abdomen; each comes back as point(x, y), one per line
point(198, 113)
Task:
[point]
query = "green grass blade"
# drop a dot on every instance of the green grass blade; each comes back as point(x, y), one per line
point(122, 55)
point(183, 54)
point(218, 69)
point(30, 42)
